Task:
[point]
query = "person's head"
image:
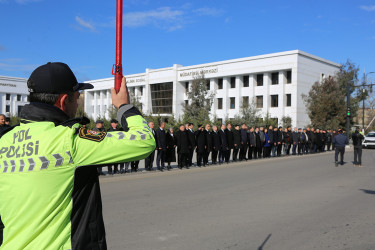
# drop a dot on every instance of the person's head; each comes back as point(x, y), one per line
point(99, 124)
point(243, 126)
point(151, 125)
point(280, 128)
point(251, 129)
point(312, 129)
point(55, 84)
point(340, 131)
point(304, 130)
point(222, 126)
point(289, 128)
point(308, 128)
point(237, 127)
point(162, 125)
point(191, 125)
point(200, 127)
point(299, 130)
point(208, 127)
point(261, 128)
point(114, 123)
point(256, 129)
point(214, 128)
point(170, 130)
point(187, 126)
point(229, 126)
point(275, 129)
point(270, 127)
point(182, 127)
point(286, 129)
point(265, 130)
point(2, 120)
point(295, 129)
point(7, 120)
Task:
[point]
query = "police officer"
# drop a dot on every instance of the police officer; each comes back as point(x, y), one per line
point(357, 138)
point(50, 193)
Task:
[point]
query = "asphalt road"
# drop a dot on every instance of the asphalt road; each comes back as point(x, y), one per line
point(302, 202)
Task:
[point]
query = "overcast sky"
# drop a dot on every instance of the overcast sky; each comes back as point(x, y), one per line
point(159, 34)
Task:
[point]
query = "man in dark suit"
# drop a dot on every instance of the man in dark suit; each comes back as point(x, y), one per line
point(150, 159)
point(215, 144)
point(244, 142)
point(236, 142)
point(162, 147)
point(192, 144)
point(252, 143)
point(295, 140)
point(280, 140)
point(183, 147)
point(200, 138)
point(209, 144)
point(258, 144)
point(223, 144)
point(230, 141)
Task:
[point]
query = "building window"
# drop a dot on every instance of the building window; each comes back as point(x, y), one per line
point(259, 101)
point(219, 103)
point(19, 109)
point(289, 77)
point(7, 108)
point(186, 103)
point(18, 98)
point(259, 79)
point(8, 97)
point(245, 101)
point(161, 97)
point(208, 84)
point(274, 101)
point(288, 100)
point(232, 102)
point(141, 90)
point(275, 78)
point(220, 83)
point(186, 87)
point(232, 82)
point(246, 81)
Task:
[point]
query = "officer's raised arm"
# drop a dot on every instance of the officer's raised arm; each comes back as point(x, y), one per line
point(134, 143)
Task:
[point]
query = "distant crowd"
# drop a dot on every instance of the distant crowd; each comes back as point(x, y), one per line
point(224, 144)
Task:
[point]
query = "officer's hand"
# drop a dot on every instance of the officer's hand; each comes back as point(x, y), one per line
point(122, 97)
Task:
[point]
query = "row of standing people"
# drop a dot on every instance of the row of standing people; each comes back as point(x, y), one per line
point(238, 144)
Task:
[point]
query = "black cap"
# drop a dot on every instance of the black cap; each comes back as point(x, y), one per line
point(114, 121)
point(99, 121)
point(55, 78)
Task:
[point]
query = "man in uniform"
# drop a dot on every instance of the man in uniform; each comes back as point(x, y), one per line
point(50, 194)
point(340, 141)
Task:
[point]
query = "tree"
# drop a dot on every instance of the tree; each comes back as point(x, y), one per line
point(326, 101)
point(286, 121)
point(200, 101)
point(248, 114)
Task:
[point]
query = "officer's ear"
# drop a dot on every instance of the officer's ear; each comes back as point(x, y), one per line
point(61, 102)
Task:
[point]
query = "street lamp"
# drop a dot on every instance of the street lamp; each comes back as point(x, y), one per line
point(363, 98)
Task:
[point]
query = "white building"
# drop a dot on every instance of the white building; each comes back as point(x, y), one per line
point(13, 95)
point(275, 82)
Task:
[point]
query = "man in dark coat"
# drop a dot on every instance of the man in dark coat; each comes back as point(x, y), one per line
point(280, 140)
point(183, 147)
point(171, 148)
point(223, 144)
point(340, 142)
point(162, 147)
point(216, 146)
point(275, 135)
point(295, 141)
point(329, 139)
point(150, 159)
point(310, 140)
point(192, 144)
point(319, 140)
point(236, 142)
point(258, 143)
point(252, 143)
point(270, 136)
point(244, 142)
point(357, 144)
point(200, 138)
point(209, 144)
point(230, 141)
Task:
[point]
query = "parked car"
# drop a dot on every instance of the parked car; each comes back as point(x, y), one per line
point(369, 140)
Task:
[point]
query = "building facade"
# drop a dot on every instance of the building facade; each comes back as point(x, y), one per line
point(273, 82)
point(13, 95)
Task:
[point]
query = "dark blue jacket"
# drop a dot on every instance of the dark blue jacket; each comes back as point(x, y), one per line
point(340, 140)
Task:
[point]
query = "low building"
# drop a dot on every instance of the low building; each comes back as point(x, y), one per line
point(13, 95)
point(274, 82)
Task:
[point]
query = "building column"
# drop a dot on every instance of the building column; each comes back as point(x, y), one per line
point(239, 95)
point(282, 97)
point(109, 103)
point(101, 103)
point(147, 92)
point(213, 88)
point(226, 102)
point(266, 95)
point(95, 105)
point(252, 85)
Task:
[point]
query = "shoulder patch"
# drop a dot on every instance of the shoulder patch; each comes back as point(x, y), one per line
point(91, 134)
